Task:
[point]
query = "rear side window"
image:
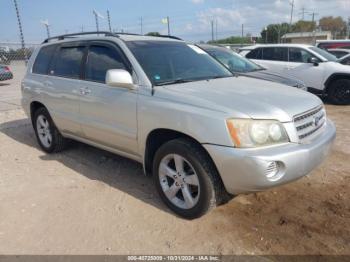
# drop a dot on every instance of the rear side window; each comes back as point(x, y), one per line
point(100, 59)
point(68, 62)
point(43, 59)
point(275, 54)
point(255, 54)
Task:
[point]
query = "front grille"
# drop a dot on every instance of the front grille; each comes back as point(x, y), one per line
point(310, 123)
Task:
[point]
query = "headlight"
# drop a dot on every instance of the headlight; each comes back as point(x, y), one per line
point(256, 133)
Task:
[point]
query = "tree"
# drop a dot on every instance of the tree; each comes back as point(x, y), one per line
point(232, 40)
point(336, 25)
point(153, 34)
point(273, 33)
point(303, 26)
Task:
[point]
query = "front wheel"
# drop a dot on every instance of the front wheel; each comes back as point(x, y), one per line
point(339, 92)
point(186, 179)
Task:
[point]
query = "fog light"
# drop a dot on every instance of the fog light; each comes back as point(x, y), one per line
point(273, 172)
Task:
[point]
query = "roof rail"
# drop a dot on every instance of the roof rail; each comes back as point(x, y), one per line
point(170, 36)
point(61, 37)
point(106, 33)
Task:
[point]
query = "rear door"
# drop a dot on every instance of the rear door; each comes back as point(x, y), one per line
point(108, 114)
point(63, 86)
point(274, 58)
point(299, 67)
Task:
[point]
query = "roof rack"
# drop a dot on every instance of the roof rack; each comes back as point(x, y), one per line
point(105, 33)
point(61, 37)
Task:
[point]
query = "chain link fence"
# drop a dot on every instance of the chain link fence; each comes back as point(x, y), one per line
point(13, 59)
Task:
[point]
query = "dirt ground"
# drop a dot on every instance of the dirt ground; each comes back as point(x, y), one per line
point(88, 201)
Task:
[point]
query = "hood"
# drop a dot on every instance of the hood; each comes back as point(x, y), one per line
point(338, 67)
point(242, 97)
point(274, 77)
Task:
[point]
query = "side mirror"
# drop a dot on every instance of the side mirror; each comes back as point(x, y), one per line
point(313, 60)
point(119, 78)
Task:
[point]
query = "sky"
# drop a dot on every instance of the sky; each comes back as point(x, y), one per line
point(189, 19)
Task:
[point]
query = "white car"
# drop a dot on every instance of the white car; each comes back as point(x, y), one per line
point(318, 69)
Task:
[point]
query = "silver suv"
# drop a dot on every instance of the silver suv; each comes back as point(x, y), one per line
point(202, 133)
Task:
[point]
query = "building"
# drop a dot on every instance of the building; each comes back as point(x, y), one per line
point(306, 37)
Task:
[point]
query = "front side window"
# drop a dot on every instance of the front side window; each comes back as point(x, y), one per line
point(43, 59)
point(166, 62)
point(298, 55)
point(68, 62)
point(101, 59)
point(275, 54)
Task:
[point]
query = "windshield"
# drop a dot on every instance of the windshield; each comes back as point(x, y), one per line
point(232, 61)
point(168, 62)
point(324, 54)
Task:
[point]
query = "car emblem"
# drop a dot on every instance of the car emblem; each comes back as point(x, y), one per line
point(317, 120)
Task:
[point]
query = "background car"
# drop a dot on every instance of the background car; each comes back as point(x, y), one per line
point(339, 53)
point(332, 44)
point(345, 60)
point(240, 65)
point(317, 68)
point(5, 73)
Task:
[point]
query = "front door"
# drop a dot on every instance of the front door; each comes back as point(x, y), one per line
point(108, 114)
point(299, 67)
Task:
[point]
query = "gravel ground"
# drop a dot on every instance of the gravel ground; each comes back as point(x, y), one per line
point(88, 201)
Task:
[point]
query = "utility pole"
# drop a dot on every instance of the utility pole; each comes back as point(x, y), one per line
point(109, 21)
point(291, 13)
point(303, 12)
point(82, 28)
point(46, 24)
point(348, 34)
point(20, 31)
point(141, 25)
point(212, 30)
point(168, 24)
point(97, 15)
point(314, 29)
point(266, 35)
point(242, 34)
point(216, 29)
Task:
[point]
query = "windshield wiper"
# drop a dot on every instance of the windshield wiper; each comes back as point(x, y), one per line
point(172, 82)
point(217, 77)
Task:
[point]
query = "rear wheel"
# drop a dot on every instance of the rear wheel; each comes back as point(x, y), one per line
point(339, 92)
point(48, 136)
point(186, 179)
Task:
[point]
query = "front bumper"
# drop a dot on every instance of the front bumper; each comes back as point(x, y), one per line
point(244, 170)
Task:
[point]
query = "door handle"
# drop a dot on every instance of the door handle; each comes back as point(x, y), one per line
point(85, 91)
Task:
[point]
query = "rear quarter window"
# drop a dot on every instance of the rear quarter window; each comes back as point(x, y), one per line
point(43, 59)
point(255, 54)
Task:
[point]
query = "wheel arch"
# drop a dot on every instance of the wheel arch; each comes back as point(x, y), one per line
point(334, 77)
point(156, 138)
point(35, 105)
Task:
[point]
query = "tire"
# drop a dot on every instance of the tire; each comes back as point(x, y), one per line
point(339, 92)
point(207, 190)
point(44, 129)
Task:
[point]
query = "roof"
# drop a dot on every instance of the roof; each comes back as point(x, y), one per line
point(306, 34)
point(276, 45)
